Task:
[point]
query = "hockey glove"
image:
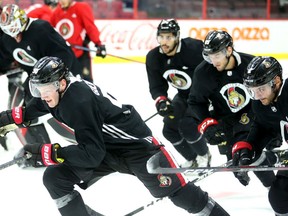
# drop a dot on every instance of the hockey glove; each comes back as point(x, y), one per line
point(242, 154)
point(43, 155)
point(164, 106)
point(101, 50)
point(212, 132)
point(12, 119)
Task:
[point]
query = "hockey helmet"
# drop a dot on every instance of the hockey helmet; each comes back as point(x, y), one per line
point(167, 26)
point(261, 70)
point(216, 41)
point(48, 70)
point(51, 2)
point(13, 20)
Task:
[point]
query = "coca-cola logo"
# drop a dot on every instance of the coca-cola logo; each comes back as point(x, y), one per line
point(137, 37)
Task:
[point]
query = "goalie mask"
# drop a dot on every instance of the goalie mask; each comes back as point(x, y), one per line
point(46, 76)
point(260, 74)
point(216, 41)
point(13, 20)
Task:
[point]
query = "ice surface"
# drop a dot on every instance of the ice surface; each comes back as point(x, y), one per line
point(22, 192)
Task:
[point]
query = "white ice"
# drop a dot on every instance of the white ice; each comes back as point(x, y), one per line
point(22, 192)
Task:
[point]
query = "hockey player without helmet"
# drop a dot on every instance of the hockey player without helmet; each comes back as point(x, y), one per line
point(261, 70)
point(168, 26)
point(47, 72)
point(13, 20)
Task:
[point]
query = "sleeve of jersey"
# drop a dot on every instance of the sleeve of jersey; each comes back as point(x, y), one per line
point(87, 125)
point(158, 86)
point(86, 15)
point(34, 109)
point(198, 101)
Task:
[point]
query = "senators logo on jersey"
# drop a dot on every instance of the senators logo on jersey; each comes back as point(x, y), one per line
point(236, 96)
point(178, 79)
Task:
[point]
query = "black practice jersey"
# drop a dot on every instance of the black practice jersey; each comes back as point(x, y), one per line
point(271, 119)
point(39, 39)
point(99, 121)
point(225, 90)
point(177, 70)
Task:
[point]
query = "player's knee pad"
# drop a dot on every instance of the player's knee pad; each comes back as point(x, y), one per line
point(278, 195)
point(191, 198)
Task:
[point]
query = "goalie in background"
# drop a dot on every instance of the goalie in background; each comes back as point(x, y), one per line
point(111, 137)
point(24, 41)
point(173, 63)
point(263, 79)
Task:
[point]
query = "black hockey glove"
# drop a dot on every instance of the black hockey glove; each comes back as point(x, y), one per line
point(242, 154)
point(43, 154)
point(164, 106)
point(12, 119)
point(101, 51)
point(212, 131)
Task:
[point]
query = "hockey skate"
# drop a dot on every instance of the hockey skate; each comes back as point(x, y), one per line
point(91, 212)
point(205, 160)
point(200, 161)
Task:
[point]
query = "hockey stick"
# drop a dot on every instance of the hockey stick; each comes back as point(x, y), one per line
point(12, 71)
point(15, 161)
point(150, 117)
point(95, 50)
point(144, 207)
point(198, 177)
point(153, 167)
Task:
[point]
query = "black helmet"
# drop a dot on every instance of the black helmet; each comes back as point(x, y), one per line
point(51, 2)
point(261, 70)
point(215, 41)
point(49, 69)
point(167, 26)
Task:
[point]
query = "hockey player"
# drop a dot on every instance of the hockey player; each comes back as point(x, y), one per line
point(26, 40)
point(264, 81)
point(173, 62)
point(42, 11)
point(111, 137)
point(218, 81)
point(75, 22)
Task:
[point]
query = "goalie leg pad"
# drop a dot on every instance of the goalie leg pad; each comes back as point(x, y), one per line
point(278, 195)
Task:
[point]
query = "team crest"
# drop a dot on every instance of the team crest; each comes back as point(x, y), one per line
point(54, 65)
point(21, 56)
point(235, 95)
point(244, 119)
point(267, 64)
point(165, 181)
point(178, 79)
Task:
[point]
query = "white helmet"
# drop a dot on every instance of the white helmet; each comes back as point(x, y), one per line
point(13, 20)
